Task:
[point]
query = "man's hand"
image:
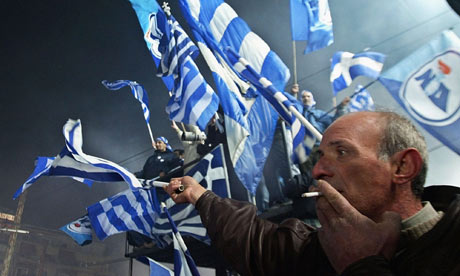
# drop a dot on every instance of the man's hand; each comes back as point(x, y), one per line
point(348, 236)
point(192, 190)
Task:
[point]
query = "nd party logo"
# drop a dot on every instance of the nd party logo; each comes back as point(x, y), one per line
point(432, 93)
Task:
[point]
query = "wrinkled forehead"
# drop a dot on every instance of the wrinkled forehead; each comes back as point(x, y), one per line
point(362, 128)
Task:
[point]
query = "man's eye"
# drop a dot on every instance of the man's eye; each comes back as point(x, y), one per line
point(342, 152)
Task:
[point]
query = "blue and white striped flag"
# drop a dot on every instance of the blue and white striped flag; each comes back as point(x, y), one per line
point(139, 210)
point(216, 26)
point(138, 92)
point(211, 173)
point(184, 265)
point(192, 101)
point(346, 66)
point(157, 269)
point(311, 21)
point(361, 101)
point(127, 210)
point(278, 100)
point(73, 162)
point(79, 230)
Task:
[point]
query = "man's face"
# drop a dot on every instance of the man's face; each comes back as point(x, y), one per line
point(307, 98)
point(160, 145)
point(349, 162)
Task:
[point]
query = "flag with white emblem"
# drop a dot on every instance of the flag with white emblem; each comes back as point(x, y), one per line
point(361, 101)
point(426, 85)
point(79, 230)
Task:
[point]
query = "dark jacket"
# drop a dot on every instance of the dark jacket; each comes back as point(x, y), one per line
point(258, 247)
point(159, 162)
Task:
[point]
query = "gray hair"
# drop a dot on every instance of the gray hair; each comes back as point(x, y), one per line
point(399, 134)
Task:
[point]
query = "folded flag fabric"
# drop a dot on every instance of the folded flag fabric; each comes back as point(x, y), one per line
point(79, 230)
point(139, 210)
point(138, 92)
point(426, 85)
point(193, 101)
point(346, 66)
point(183, 261)
point(73, 162)
point(249, 121)
point(278, 99)
point(361, 101)
point(311, 21)
point(144, 9)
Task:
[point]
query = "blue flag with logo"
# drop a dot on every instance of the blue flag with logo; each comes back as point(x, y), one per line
point(311, 21)
point(79, 230)
point(426, 84)
point(361, 100)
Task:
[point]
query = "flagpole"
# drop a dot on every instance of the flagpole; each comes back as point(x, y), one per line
point(151, 135)
point(294, 55)
point(12, 240)
point(351, 96)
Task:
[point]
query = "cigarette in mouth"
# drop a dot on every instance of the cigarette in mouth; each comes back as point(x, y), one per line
point(312, 194)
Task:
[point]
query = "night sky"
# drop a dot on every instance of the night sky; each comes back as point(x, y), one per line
point(56, 53)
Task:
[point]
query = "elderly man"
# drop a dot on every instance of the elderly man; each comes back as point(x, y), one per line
point(371, 174)
point(317, 117)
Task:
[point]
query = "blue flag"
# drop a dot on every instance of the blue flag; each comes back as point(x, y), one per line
point(426, 85)
point(250, 123)
point(143, 9)
point(139, 210)
point(361, 101)
point(73, 162)
point(79, 230)
point(345, 67)
point(193, 101)
point(157, 269)
point(311, 21)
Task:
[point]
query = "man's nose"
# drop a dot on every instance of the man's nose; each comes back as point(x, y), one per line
point(321, 168)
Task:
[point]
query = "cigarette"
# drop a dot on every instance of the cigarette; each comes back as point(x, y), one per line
point(160, 184)
point(312, 194)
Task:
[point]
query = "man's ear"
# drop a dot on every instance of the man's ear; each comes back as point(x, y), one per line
point(406, 165)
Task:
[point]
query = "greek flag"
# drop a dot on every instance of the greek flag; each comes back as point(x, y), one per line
point(138, 92)
point(73, 162)
point(211, 173)
point(193, 101)
point(183, 261)
point(346, 66)
point(278, 100)
point(311, 21)
point(426, 85)
point(127, 210)
point(361, 100)
point(216, 26)
point(157, 269)
point(79, 230)
point(139, 210)
point(143, 9)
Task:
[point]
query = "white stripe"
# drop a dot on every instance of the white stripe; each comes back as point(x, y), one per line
point(223, 15)
point(368, 62)
point(195, 7)
point(256, 58)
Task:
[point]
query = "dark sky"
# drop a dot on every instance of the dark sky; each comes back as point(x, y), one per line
point(55, 53)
